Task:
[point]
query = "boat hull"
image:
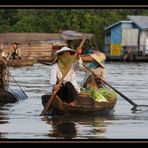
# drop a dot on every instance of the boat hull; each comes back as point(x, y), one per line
point(17, 63)
point(7, 97)
point(11, 96)
point(84, 106)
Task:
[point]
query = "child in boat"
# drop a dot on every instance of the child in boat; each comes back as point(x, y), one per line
point(70, 88)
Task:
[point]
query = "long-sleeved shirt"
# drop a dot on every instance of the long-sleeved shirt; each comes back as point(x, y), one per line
point(101, 72)
point(56, 75)
point(18, 52)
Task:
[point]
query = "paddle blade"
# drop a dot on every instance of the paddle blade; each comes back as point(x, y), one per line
point(139, 108)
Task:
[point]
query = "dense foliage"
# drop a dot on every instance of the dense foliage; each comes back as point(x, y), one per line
point(54, 20)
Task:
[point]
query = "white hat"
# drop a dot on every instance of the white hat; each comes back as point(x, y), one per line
point(63, 50)
point(99, 57)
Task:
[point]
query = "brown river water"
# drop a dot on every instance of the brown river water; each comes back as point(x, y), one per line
point(22, 120)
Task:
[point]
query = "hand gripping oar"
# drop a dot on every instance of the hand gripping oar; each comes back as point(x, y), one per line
point(61, 81)
point(135, 108)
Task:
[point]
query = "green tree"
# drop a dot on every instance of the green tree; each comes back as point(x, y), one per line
point(55, 20)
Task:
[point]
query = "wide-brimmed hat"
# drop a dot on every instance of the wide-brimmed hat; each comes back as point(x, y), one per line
point(99, 57)
point(63, 49)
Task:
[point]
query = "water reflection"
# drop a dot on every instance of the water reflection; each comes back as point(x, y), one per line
point(3, 118)
point(74, 127)
point(67, 130)
point(22, 121)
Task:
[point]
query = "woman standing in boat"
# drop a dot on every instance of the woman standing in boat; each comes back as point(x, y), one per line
point(69, 88)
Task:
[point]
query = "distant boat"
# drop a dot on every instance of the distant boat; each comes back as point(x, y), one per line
point(74, 37)
point(45, 61)
point(21, 62)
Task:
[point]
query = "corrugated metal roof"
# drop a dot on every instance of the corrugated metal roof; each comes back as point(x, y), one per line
point(117, 24)
point(140, 21)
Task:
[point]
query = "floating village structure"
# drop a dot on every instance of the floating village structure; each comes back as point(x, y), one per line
point(41, 46)
point(127, 40)
point(124, 41)
point(32, 45)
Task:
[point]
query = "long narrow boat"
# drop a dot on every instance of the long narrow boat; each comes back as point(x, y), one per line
point(85, 105)
point(21, 62)
point(45, 61)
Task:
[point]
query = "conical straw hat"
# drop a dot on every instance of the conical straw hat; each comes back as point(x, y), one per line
point(63, 50)
point(99, 57)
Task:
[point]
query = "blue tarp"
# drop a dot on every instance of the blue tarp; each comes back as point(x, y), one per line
point(19, 94)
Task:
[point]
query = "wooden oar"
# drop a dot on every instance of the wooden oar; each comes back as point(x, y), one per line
point(135, 108)
point(61, 81)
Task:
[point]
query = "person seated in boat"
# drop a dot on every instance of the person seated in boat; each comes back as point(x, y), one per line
point(70, 88)
point(15, 51)
point(99, 70)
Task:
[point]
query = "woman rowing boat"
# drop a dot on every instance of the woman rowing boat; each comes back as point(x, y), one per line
point(69, 88)
point(93, 102)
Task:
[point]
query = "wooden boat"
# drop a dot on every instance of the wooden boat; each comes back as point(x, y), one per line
point(45, 61)
point(8, 95)
point(85, 105)
point(11, 96)
point(21, 62)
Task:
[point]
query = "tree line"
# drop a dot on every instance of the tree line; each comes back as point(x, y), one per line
point(54, 20)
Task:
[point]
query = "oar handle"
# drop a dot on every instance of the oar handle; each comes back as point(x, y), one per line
point(126, 98)
point(61, 81)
